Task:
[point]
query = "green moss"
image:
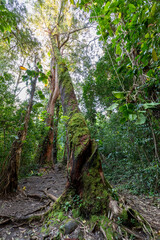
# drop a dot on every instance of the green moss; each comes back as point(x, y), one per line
point(95, 193)
point(76, 213)
point(109, 233)
point(124, 216)
point(77, 129)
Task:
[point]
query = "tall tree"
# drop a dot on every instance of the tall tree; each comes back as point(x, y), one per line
point(10, 169)
point(59, 27)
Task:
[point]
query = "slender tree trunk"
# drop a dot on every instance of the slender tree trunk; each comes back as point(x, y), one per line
point(45, 153)
point(9, 175)
point(55, 150)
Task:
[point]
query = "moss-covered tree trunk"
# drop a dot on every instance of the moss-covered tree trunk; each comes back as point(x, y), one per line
point(85, 175)
point(10, 170)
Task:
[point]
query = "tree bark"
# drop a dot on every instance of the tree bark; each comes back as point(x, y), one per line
point(10, 170)
point(45, 153)
point(55, 150)
point(85, 175)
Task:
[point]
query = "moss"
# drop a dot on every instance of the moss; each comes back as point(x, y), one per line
point(78, 132)
point(109, 233)
point(124, 216)
point(76, 213)
point(95, 194)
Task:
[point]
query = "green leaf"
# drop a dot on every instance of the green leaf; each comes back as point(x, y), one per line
point(118, 94)
point(37, 105)
point(112, 107)
point(147, 35)
point(141, 119)
point(118, 50)
point(106, 7)
point(154, 55)
point(132, 117)
point(132, 8)
point(118, 59)
point(116, 21)
point(153, 10)
point(150, 105)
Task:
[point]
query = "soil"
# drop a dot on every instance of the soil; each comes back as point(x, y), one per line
point(33, 199)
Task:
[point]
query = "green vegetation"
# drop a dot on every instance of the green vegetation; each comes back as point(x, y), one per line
point(118, 93)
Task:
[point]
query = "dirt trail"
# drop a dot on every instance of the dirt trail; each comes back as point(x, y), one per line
point(32, 200)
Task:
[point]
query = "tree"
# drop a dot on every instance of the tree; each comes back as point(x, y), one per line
point(10, 169)
point(59, 26)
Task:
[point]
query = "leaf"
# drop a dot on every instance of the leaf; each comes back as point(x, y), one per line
point(141, 119)
point(150, 105)
point(154, 55)
point(118, 94)
point(106, 7)
point(132, 8)
point(132, 117)
point(23, 68)
point(119, 15)
point(153, 10)
point(42, 97)
point(72, 2)
point(112, 107)
point(118, 50)
point(147, 35)
point(116, 21)
point(37, 105)
point(118, 59)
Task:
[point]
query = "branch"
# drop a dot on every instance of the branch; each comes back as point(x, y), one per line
point(73, 31)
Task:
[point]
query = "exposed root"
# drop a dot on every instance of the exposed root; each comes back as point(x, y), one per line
point(51, 196)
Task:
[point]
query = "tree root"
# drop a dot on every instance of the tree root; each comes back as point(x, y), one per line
point(51, 196)
point(28, 218)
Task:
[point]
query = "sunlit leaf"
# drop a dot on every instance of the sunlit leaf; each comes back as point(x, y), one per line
point(118, 94)
point(113, 106)
point(23, 68)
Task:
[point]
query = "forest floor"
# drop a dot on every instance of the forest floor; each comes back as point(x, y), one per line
point(33, 199)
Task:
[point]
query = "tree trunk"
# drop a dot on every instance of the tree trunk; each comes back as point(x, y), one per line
point(55, 151)
point(10, 170)
point(86, 181)
point(45, 153)
point(85, 175)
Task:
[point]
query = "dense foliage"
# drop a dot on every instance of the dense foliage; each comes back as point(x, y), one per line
point(120, 93)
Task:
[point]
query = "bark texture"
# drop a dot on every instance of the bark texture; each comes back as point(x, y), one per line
point(45, 153)
point(55, 150)
point(85, 175)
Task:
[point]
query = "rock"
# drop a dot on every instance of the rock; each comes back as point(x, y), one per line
point(70, 226)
